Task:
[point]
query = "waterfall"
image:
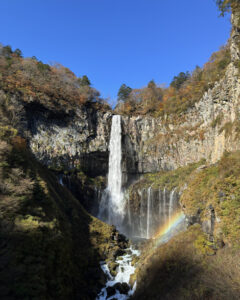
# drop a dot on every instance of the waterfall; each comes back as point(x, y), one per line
point(171, 203)
point(160, 204)
point(164, 204)
point(149, 211)
point(141, 214)
point(153, 209)
point(112, 203)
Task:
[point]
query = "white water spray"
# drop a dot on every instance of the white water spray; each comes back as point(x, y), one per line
point(112, 202)
point(148, 211)
point(124, 272)
point(164, 204)
point(171, 204)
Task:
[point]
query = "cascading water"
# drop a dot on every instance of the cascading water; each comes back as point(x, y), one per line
point(164, 204)
point(153, 208)
point(171, 205)
point(156, 207)
point(141, 226)
point(112, 203)
point(149, 198)
point(124, 271)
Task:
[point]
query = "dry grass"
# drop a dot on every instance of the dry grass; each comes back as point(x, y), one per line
point(183, 269)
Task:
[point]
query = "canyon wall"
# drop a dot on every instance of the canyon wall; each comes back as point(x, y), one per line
point(78, 139)
point(81, 138)
point(206, 130)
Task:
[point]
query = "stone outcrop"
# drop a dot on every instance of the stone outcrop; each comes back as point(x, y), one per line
point(205, 131)
point(64, 139)
point(73, 141)
point(81, 138)
point(155, 144)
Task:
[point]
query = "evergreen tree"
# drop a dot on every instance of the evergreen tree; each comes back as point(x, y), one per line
point(152, 84)
point(84, 81)
point(179, 80)
point(124, 92)
point(18, 52)
point(7, 51)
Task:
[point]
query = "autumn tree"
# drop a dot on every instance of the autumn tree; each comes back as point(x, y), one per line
point(224, 6)
point(50, 85)
point(179, 80)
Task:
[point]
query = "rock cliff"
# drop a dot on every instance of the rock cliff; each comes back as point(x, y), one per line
point(63, 139)
point(80, 138)
point(206, 130)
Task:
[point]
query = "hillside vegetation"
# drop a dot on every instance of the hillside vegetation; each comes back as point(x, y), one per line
point(185, 90)
point(50, 247)
point(204, 186)
point(186, 268)
point(53, 86)
point(199, 263)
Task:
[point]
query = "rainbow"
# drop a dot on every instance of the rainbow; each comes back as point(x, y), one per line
point(166, 231)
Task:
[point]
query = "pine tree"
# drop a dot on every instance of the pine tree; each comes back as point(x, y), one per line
point(124, 92)
point(84, 81)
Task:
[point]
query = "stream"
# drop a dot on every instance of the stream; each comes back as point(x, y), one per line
point(115, 285)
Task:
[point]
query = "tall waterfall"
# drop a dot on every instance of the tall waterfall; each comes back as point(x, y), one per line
point(149, 198)
point(112, 205)
point(154, 208)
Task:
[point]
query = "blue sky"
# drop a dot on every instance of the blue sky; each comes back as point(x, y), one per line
point(116, 41)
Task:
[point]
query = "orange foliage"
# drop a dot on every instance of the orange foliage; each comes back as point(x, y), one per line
point(156, 101)
point(35, 80)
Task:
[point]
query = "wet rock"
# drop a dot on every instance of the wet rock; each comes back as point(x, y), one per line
point(121, 238)
point(123, 288)
point(113, 268)
point(119, 252)
point(111, 291)
point(209, 221)
point(119, 258)
point(194, 219)
point(135, 259)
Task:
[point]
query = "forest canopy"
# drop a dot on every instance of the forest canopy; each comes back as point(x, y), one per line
point(185, 89)
point(51, 85)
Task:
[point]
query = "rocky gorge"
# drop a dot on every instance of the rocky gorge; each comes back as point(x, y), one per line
point(71, 160)
point(66, 141)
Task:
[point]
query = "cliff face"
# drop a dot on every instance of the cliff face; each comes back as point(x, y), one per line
point(81, 138)
point(205, 131)
point(78, 139)
point(63, 139)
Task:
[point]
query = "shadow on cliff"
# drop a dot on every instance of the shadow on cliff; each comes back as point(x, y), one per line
point(47, 248)
point(179, 270)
